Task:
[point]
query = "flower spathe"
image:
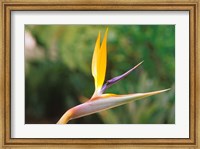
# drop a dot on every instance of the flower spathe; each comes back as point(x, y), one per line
point(99, 101)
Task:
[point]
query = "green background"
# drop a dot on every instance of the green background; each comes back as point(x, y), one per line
point(58, 72)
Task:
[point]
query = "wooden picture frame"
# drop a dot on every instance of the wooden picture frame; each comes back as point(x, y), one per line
point(144, 5)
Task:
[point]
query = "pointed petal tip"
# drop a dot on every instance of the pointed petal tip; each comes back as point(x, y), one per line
point(160, 91)
point(165, 90)
point(141, 62)
point(137, 65)
point(156, 92)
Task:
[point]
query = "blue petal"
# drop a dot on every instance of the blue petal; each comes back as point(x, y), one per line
point(116, 79)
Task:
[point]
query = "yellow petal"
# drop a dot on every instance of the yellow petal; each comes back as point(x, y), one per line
point(102, 61)
point(95, 97)
point(94, 59)
point(99, 61)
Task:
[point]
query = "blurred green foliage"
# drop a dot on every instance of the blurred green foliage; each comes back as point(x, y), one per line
point(61, 78)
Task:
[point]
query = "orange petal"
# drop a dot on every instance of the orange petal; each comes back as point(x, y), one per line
point(94, 59)
point(99, 61)
point(102, 61)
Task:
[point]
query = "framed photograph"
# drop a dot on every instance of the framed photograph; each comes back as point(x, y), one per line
point(78, 74)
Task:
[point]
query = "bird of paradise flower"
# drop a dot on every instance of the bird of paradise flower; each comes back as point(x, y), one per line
point(100, 101)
